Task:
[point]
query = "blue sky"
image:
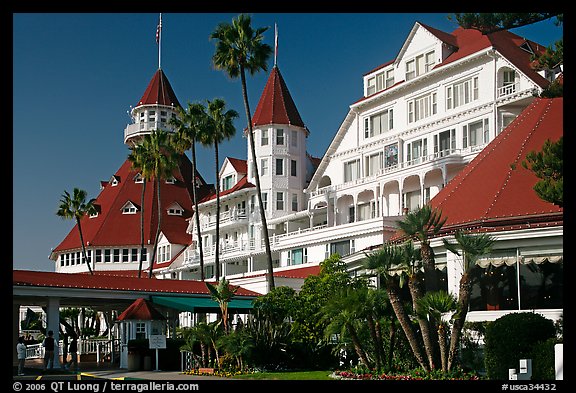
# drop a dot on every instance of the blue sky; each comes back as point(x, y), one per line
point(75, 77)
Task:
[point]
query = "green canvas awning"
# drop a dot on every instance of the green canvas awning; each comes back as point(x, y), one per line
point(198, 304)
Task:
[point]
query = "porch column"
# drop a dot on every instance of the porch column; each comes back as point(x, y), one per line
point(15, 330)
point(53, 323)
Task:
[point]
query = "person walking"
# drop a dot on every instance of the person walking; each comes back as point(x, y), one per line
point(73, 350)
point(48, 345)
point(21, 350)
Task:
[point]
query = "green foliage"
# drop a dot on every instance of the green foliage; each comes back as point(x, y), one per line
point(277, 305)
point(511, 338)
point(543, 360)
point(548, 166)
point(489, 22)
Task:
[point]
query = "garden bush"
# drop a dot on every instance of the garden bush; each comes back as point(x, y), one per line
point(512, 337)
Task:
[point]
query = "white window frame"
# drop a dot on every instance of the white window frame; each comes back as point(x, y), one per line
point(422, 107)
point(280, 137)
point(352, 174)
point(264, 137)
point(280, 201)
point(279, 170)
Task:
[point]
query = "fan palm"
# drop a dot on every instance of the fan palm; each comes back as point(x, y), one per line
point(471, 248)
point(190, 125)
point(421, 224)
point(74, 207)
point(220, 126)
point(384, 261)
point(239, 48)
point(435, 305)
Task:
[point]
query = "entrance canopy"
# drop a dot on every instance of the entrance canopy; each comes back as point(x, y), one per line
point(200, 304)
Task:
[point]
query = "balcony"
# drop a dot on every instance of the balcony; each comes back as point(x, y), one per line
point(230, 218)
point(145, 128)
point(508, 89)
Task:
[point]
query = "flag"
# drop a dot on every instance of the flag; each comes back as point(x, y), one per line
point(158, 30)
point(275, 43)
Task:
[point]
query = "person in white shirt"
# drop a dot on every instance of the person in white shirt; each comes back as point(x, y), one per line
point(21, 350)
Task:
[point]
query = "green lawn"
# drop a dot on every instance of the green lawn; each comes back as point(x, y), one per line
point(293, 375)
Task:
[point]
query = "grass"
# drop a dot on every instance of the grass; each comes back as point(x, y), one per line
point(292, 375)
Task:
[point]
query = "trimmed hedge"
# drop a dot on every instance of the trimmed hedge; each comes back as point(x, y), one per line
point(513, 337)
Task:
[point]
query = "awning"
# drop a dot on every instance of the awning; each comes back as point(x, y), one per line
point(199, 304)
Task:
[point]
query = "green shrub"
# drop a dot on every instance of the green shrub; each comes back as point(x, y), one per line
point(511, 338)
point(543, 367)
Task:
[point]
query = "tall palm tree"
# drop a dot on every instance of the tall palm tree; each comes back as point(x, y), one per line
point(139, 158)
point(190, 126)
point(74, 207)
point(422, 224)
point(220, 127)
point(239, 48)
point(434, 305)
point(157, 159)
point(384, 261)
point(471, 248)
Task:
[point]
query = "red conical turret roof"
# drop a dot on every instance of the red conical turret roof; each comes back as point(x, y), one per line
point(159, 92)
point(276, 105)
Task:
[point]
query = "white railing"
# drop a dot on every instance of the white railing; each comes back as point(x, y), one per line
point(231, 216)
point(147, 126)
point(508, 89)
point(97, 346)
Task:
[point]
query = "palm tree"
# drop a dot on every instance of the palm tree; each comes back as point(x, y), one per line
point(421, 224)
point(74, 207)
point(342, 313)
point(222, 294)
point(220, 127)
point(472, 247)
point(190, 126)
point(384, 261)
point(435, 305)
point(138, 157)
point(239, 48)
point(157, 159)
point(412, 269)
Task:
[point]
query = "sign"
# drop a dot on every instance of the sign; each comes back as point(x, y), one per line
point(157, 341)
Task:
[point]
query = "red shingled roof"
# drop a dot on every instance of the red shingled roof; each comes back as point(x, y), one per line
point(159, 92)
point(113, 228)
point(240, 185)
point(276, 105)
point(241, 166)
point(141, 310)
point(89, 281)
point(494, 190)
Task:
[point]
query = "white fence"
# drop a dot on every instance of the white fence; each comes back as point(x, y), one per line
point(100, 347)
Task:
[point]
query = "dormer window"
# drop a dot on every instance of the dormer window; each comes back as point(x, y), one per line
point(379, 82)
point(138, 178)
point(526, 46)
point(96, 211)
point(129, 208)
point(419, 65)
point(114, 181)
point(171, 180)
point(227, 182)
point(175, 210)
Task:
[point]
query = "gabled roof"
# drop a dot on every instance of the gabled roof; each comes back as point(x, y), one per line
point(112, 228)
point(159, 92)
point(276, 105)
point(141, 310)
point(241, 166)
point(494, 191)
point(241, 184)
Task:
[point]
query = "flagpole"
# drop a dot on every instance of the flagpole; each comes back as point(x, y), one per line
point(159, 39)
point(275, 44)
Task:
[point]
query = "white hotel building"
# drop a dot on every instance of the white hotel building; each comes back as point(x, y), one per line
point(423, 117)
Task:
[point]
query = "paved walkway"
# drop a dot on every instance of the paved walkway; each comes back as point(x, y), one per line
point(90, 370)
